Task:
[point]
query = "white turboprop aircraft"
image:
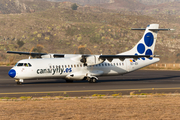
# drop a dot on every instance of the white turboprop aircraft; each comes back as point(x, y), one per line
point(88, 67)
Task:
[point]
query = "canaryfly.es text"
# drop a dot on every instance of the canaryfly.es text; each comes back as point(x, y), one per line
point(53, 71)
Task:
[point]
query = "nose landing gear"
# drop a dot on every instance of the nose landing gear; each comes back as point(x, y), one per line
point(19, 82)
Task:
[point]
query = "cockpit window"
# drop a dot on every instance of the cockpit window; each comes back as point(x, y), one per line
point(16, 64)
point(29, 64)
point(23, 64)
point(20, 64)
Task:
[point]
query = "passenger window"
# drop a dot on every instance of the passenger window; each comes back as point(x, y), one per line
point(62, 66)
point(114, 64)
point(74, 65)
point(77, 65)
point(120, 64)
point(65, 66)
point(117, 64)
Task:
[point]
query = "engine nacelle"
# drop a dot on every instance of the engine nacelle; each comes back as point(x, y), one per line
point(48, 56)
point(75, 76)
point(88, 59)
point(93, 60)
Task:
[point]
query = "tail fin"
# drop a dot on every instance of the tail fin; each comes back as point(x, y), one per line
point(147, 44)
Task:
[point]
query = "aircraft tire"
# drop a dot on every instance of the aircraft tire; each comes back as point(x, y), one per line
point(93, 80)
point(18, 83)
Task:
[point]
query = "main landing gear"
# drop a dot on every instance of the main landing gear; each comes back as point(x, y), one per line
point(19, 82)
point(92, 80)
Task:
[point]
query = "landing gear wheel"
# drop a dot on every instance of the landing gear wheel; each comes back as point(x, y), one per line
point(92, 80)
point(19, 82)
point(69, 81)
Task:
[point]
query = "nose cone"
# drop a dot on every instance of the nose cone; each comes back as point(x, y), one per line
point(12, 73)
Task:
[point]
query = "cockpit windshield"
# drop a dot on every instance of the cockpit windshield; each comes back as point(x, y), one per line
point(23, 64)
point(20, 64)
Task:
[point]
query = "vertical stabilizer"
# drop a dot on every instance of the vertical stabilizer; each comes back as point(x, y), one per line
point(147, 44)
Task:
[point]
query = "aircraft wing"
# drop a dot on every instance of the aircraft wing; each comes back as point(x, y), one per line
point(97, 59)
point(33, 54)
point(123, 57)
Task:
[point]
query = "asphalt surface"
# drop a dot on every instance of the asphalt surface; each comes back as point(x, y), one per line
point(141, 81)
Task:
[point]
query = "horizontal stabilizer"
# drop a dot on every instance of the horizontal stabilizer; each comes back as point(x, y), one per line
point(161, 29)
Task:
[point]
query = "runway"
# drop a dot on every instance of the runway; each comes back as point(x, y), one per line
point(141, 81)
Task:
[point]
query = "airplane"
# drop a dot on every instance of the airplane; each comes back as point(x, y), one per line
point(74, 67)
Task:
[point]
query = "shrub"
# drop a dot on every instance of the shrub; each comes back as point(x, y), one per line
point(74, 6)
point(20, 43)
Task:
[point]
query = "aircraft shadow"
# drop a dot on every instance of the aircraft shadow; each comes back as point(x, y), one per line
point(101, 80)
point(140, 79)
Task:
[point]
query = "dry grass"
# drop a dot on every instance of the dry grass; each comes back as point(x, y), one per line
point(153, 107)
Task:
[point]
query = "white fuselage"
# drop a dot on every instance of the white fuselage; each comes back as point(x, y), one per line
point(67, 68)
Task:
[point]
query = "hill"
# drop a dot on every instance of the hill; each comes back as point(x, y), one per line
point(95, 2)
point(128, 5)
point(85, 2)
point(25, 6)
point(30, 6)
point(63, 30)
point(156, 2)
point(8, 6)
point(168, 8)
point(60, 29)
